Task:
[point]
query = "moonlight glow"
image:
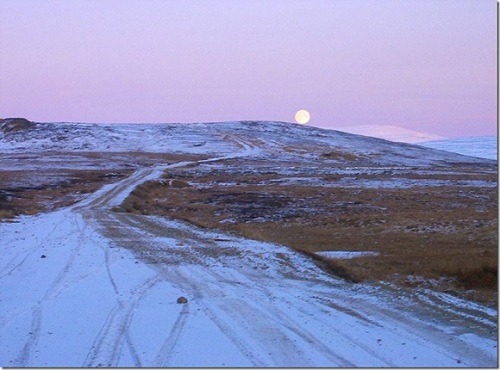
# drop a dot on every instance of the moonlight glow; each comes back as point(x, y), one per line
point(302, 116)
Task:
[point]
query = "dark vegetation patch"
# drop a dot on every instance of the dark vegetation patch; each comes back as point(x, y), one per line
point(31, 192)
point(31, 183)
point(439, 237)
point(15, 124)
point(340, 155)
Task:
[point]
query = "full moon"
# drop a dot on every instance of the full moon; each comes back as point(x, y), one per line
point(302, 116)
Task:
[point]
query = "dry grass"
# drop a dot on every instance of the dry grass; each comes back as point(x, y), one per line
point(339, 155)
point(28, 193)
point(441, 237)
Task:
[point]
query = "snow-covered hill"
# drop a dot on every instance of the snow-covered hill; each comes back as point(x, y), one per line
point(477, 146)
point(276, 139)
point(392, 133)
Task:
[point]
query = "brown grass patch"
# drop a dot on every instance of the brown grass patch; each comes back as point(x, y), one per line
point(30, 190)
point(342, 156)
point(444, 235)
point(28, 193)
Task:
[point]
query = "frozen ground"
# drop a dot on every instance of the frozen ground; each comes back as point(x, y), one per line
point(85, 286)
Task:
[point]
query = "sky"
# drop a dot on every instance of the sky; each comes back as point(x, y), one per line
point(429, 66)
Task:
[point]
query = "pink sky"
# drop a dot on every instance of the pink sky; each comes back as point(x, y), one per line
point(424, 65)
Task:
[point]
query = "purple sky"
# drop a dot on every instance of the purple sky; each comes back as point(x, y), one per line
point(419, 64)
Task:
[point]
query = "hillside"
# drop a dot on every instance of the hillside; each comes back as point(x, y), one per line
point(280, 139)
point(289, 246)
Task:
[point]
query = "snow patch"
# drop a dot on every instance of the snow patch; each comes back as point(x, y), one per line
point(480, 146)
point(346, 254)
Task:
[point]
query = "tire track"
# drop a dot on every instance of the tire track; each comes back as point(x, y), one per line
point(108, 270)
point(11, 268)
point(132, 350)
point(238, 316)
point(312, 341)
point(165, 352)
point(23, 359)
point(270, 324)
point(227, 329)
point(107, 346)
point(57, 287)
point(198, 290)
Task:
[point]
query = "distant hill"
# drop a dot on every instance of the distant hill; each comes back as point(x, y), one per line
point(392, 133)
point(476, 146)
point(256, 139)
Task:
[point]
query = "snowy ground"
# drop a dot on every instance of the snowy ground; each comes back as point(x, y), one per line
point(85, 286)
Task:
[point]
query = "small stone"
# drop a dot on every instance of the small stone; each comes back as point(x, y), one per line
point(182, 300)
point(43, 256)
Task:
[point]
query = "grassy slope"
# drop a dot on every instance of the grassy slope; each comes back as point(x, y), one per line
point(441, 237)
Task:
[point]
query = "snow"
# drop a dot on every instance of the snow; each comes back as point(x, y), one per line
point(476, 146)
point(392, 133)
point(346, 254)
point(87, 287)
